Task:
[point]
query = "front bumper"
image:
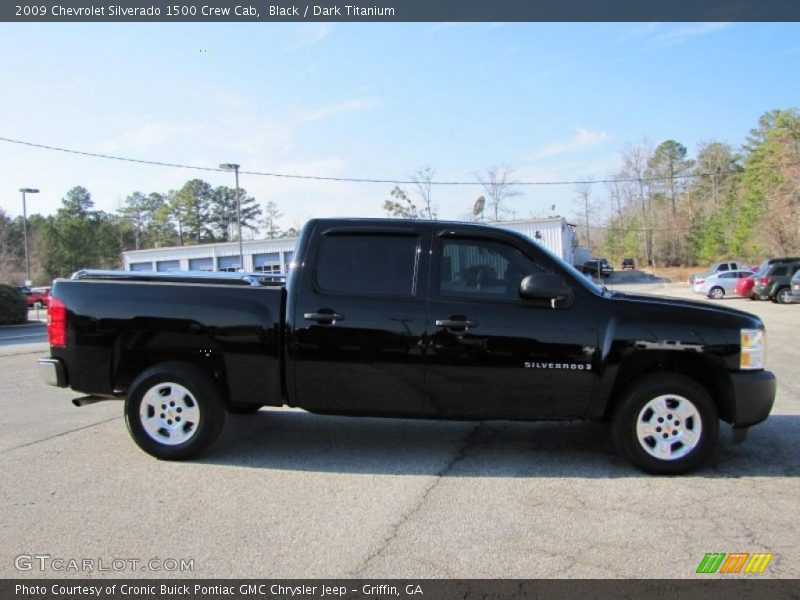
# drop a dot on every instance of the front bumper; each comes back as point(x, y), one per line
point(753, 396)
point(52, 372)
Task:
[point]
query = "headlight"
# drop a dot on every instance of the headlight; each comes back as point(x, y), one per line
point(753, 349)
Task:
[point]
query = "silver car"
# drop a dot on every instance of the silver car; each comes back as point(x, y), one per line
point(716, 285)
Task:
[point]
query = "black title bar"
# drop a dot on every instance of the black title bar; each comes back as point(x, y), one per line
point(398, 10)
point(710, 588)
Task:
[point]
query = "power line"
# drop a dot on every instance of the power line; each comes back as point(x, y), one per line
point(347, 179)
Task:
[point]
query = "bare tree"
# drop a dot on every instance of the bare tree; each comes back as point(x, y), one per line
point(423, 183)
point(635, 161)
point(402, 206)
point(499, 187)
point(270, 222)
point(583, 200)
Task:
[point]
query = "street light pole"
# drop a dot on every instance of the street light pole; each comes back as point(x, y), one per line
point(25, 231)
point(235, 168)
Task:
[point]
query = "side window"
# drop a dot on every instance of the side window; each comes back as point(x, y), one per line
point(482, 269)
point(727, 276)
point(780, 271)
point(367, 264)
point(724, 267)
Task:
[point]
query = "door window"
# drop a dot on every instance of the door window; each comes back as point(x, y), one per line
point(368, 264)
point(482, 269)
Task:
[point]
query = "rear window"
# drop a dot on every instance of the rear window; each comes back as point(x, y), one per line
point(367, 264)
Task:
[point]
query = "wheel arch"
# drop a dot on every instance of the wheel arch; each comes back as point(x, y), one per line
point(703, 369)
point(134, 354)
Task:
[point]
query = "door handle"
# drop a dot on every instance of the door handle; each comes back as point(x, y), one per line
point(323, 317)
point(455, 323)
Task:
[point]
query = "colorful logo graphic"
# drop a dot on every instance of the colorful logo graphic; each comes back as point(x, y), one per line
point(735, 562)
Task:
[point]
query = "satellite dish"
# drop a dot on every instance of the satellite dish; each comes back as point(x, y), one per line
point(480, 203)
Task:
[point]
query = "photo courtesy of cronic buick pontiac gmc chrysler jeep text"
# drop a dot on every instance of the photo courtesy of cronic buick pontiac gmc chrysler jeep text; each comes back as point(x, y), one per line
point(410, 319)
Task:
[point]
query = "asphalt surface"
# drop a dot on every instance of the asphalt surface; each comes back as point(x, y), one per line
point(289, 494)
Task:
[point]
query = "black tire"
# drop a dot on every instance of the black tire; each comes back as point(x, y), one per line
point(186, 390)
point(243, 409)
point(632, 412)
point(784, 296)
point(716, 293)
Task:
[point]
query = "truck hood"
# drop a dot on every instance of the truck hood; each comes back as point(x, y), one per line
point(690, 309)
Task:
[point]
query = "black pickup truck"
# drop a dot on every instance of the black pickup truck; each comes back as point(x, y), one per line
point(409, 319)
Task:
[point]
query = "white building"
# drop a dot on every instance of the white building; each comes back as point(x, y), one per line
point(274, 256)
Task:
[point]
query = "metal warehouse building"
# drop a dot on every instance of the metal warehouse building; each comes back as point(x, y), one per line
point(275, 255)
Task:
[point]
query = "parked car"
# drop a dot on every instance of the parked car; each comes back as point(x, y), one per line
point(628, 263)
point(37, 297)
point(717, 285)
point(744, 286)
point(426, 319)
point(775, 283)
point(718, 267)
point(597, 265)
point(796, 287)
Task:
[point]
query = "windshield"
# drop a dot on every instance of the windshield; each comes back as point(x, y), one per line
point(583, 279)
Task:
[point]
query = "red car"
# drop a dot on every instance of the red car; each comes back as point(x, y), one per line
point(37, 297)
point(744, 286)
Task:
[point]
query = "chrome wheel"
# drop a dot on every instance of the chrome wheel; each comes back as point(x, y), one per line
point(169, 413)
point(716, 293)
point(669, 427)
point(785, 296)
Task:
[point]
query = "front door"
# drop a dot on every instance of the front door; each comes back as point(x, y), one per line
point(495, 355)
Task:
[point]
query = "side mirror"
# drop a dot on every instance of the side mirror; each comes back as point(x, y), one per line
point(545, 286)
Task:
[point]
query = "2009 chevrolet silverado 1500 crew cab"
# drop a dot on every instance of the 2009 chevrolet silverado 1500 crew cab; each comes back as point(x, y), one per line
point(410, 319)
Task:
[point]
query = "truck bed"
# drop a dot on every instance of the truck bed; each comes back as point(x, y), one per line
point(230, 325)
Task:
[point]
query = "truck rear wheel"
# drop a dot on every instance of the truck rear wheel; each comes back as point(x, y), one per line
point(665, 424)
point(174, 411)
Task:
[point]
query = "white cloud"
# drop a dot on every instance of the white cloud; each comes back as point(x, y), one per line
point(317, 114)
point(310, 34)
point(146, 137)
point(681, 33)
point(582, 139)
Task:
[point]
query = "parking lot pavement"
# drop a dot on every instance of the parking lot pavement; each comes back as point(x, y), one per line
point(289, 494)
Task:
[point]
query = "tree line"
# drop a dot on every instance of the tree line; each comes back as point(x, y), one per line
point(79, 236)
point(667, 209)
point(662, 207)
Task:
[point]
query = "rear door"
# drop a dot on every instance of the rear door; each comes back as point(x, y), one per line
point(359, 321)
point(494, 355)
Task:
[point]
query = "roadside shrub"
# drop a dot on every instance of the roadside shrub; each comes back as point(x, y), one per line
point(13, 307)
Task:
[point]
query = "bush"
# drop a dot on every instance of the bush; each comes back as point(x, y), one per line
point(13, 307)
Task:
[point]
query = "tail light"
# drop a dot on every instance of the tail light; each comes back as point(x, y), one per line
point(57, 323)
point(764, 280)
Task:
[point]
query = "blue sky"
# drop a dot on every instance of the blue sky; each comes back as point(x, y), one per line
point(553, 101)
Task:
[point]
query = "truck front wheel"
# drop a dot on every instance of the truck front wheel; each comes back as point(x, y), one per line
point(174, 411)
point(665, 424)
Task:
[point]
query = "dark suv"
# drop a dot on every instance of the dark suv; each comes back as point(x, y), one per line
point(627, 263)
point(597, 265)
point(775, 283)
